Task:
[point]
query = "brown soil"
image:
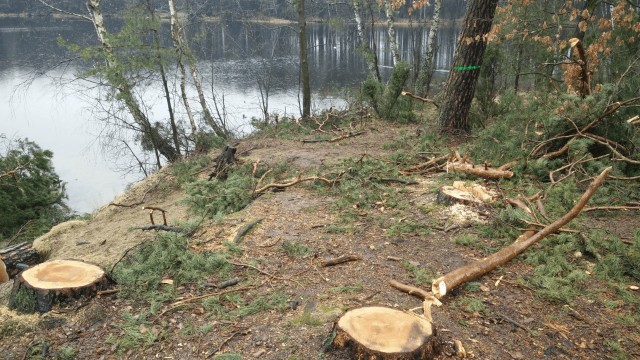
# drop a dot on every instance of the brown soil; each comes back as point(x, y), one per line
point(517, 323)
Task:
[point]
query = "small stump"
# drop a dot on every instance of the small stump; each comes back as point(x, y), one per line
point(378, 332)
point(42, 286)
point(449, 195)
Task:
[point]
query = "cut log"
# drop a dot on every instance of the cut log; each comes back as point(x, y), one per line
point(52, 282)
point(378, 332)
point(479, 170)
point(17, 256)
point(449, 195)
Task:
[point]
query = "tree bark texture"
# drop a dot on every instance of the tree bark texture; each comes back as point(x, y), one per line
point(461, 84)
point(304, 61)
point(424, 78)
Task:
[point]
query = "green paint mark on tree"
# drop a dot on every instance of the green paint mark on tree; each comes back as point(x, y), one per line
point(467, 68)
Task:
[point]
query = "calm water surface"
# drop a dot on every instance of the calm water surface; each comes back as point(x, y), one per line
point(231, 58)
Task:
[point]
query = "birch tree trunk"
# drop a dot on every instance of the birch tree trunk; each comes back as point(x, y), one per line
point(304, 62)
point(175, 36)
point(424, 78)
point(391, 31)
point(165, 85)
point(364, 43)
point(118, 81)
point(218, 128)
point(461, 84)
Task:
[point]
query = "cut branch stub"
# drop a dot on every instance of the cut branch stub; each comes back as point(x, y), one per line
point(378, 332)
point(42, 286)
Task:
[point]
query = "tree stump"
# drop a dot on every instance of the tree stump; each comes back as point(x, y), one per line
point(378, 332)
point(52, 282)
point(18, 254)
point(223, 161)
point(450, 195)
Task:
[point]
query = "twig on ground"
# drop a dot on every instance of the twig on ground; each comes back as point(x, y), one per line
point(245, 229)
point(339, 260)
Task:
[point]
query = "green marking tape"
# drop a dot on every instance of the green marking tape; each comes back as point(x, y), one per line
point(466, 68)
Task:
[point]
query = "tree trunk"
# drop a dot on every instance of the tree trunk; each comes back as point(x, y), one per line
point(165, 85)
point(52, 282)
point(182, 48)
point(175, 36)
point(16, 255)
point(370, 56)
point(463, 77)
point(391, 31)
point(424, 79)
point(383, 333)
point(118, 81)
point(304, 62)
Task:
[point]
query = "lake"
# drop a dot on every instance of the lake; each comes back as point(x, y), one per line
point(40, 100)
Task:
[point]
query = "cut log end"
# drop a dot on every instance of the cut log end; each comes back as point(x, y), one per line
point(52, 282)
point(450, 195)
point(383, 333)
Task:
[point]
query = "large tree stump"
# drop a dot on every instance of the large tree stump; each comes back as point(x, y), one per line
point(449, 195)
point(18, 254)
point(378, 332)
point(52, 282)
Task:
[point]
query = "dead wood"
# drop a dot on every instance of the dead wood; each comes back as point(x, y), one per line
point(383, 333)
point(339, 260)
point(585, 76)
point(334, 139)
point(17, 256)
point(162, 227)
point(295, 181)
point(46, 284)
point(428, 299)
point(227, 283)
point(474, 270)
point(408, 94)
point(153, 209)
point(223, 161)
point(393, 180)
point(245, 230)
point(482, 171)
point(612, 208)
point(433, 163)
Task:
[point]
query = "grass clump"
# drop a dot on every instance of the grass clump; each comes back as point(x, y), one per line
point(307, 319)
point(347, 289)
point(473, 305)
point(234, 306)
point(420, 276)
point(294, 249)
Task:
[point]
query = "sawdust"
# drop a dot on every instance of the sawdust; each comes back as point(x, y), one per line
point(109, 233)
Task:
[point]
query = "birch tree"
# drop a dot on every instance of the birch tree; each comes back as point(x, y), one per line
point(424, 77)
point(369, 54)
point(117, 79)
point(304, 61)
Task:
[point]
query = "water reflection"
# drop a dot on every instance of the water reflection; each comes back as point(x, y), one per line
point(231, 57)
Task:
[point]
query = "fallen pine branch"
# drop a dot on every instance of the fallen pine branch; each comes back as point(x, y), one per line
point(612, 208)
point(339, 260)
point(450, 281)
point(227, 283)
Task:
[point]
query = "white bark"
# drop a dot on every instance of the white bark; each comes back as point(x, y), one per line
point(177, 44)
point(424, 78)
point(364, 43)
point(391, 31)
